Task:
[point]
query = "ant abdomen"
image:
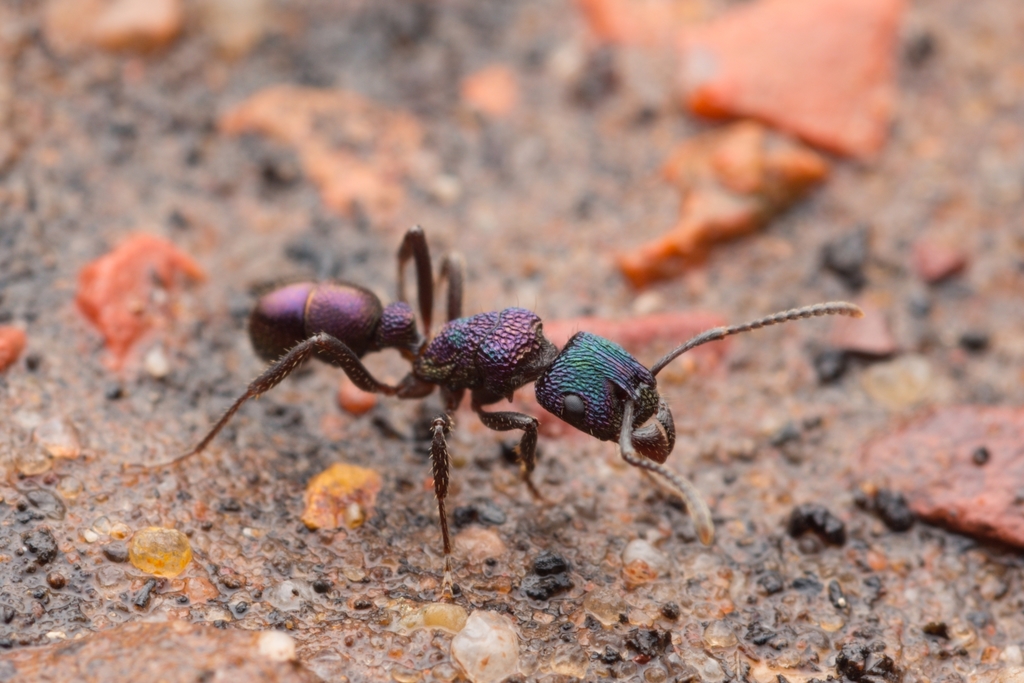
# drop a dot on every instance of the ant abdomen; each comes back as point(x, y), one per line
point(350, 313)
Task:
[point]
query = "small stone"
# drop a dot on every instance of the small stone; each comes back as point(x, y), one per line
point(570, 660)
point(42, 544)
point(771, 582)
point(49, 504)
point(817, 518)
point(12, 343)
point(648, 643)
point(277, 646)
point(119, 531)
point(155, 362)
point(199, 590)
point(493, 90)
point(443, 615)
point(901, 383)
point(606, 605)
point(354, 400)
point(58, 437)
point(830, 365)
point(937, 629)
point(980, 455)
point(934, 262)
point(288, 595)
point(718, 634)
point(476, 544)
point(69, 487)
point(869, 335)
point(671, 611)
point(343, 495)
point(56, 580)
point(236, 26)
point(847, 255)
point(835, 595)
point(974, 341)
point(159, 551)
point(116, 552)
point(487, 648)
point(642, 562)
point(31, 461)
point(548, 563)
point(322, 586)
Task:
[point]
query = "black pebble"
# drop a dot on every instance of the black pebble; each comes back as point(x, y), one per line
point(846, 256)
point(835, 595)
point(42, 544)
point(938, 629)
point(545, 587)
point(670, 611)
point(610, 655)
point(830, 365)
point(892, 508)
point(549, 563)
point(322, 585)
point(116, 552)
point(974, 341)
point(817, 518)
point(980, 455)
point(771, 582)
point(648, 642)
point(144, 595)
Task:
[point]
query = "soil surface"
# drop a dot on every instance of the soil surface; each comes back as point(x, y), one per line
point(540, 195)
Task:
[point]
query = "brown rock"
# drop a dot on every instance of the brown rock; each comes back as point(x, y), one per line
point(71, 25)
point(12, 343)
point(869, 335)
point(476, 544)
point(733, 180)
point(493, 91)
point(138, 26)
point(171, 652)
point(353, 149)
point(934, 262)
point(341, 496)
point(819, 69)
point(115, 292)
point(933, 461)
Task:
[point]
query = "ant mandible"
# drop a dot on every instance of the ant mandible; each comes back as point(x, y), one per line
point(592, 383)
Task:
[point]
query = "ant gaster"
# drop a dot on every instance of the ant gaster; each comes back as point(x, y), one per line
point(592, 383)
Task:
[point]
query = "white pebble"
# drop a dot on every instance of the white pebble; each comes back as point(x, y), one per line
point(156, 363)
point(288, 596)
point(277, 646)
point(487, 649)
point(639, 549)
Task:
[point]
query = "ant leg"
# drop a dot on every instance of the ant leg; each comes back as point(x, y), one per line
point(527, 448)
point(335, 350)
point(681, 486)
point(827, 308)
point(441, 464)
point(414, 246)
point(452, 268)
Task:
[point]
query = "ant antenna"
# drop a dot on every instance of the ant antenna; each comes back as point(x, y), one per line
point(828, 308)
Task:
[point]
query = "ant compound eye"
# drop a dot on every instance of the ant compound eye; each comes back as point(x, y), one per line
point(574, 409)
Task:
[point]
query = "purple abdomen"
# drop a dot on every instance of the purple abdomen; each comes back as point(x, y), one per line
point(291, 314)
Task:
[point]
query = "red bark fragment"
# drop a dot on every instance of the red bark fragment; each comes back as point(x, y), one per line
point(115, 292)
point(12, 343)
point(932, 462)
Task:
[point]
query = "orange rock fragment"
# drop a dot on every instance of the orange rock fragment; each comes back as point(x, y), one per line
point(355, 150)
point(12, 343)
point(341, 496)
point(354, 400)
point(493, 90)
point(646, 23)
point(116, 291)
point(733, 180)
point(934, 262)
point(823, 70)
point(136, 25)
point(869, 335)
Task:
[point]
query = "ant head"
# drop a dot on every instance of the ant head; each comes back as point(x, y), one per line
point(589, 382)
point(397, 329)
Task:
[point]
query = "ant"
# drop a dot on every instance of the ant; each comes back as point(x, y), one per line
point(592, 383)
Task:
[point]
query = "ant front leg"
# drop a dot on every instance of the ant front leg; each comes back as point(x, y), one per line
point(329, 348)
point(441, 468)
point(414, 246)
point(682, 487)
point(526, 451)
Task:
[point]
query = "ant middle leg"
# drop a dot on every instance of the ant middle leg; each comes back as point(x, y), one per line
point(526, 451)
point(324, 345)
